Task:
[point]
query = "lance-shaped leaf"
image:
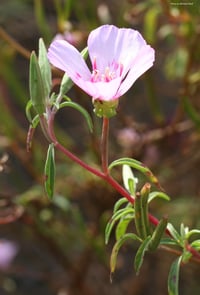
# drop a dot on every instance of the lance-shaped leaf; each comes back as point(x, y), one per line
point(29, 106)
point(145, 210)
point(45, 67)
point(66, 85)
point(117, 246)
point(119, 214)
point(122, 226)
point(141, 211)
point(161, 195)
point(139, 257)
point(175, 235)
point(138, 166)
point(173, 277)
point(129, 180)
point(192, 232)
point(36, 85)
point(138, 216)
point(119, 203)
point(157, 234)
point(196, 244)
point(50, 171)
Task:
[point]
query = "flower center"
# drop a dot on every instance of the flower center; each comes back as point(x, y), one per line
point(111, 72)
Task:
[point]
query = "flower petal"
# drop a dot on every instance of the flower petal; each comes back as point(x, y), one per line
point(109, 43)
point(67, 58)
point(121, 53)
point(140, 65)
point(102, 90)
point(100, 45)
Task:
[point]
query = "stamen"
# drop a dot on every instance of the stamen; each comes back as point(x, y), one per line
point(108, 75)
point(95, 76)
point(94, 65)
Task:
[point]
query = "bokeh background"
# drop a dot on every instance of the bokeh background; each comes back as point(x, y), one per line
point(57, 248)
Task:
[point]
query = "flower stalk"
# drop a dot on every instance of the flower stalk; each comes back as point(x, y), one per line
point(104, 145)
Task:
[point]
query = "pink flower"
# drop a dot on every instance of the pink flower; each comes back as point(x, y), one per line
point(118, 58)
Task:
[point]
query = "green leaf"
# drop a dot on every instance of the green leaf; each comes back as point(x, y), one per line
point(196, 245)
point(141, 212)
point(50, 171)
point(136, 165)
point(129, 180)
point(36, 85)
point(117, 247)
point(35, 121)
point(141, 231)
point(45, 68)
point(119, 203)
point(139, 257)
point(168, 241)
point(66, 85)
point(183, 230)
point(29, 105)
point(192, 232)
point(120, 213)
point(173, 277)
point(79, 108)
point(186, 256)
point(157, 234)
point(145, 210)
point(84, 53)
point(161, 195)
point(175, 235)
point(122, 226)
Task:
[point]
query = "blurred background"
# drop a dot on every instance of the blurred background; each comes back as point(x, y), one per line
point(57, 248)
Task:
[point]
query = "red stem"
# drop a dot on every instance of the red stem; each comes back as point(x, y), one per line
point(67, 152)
point(193, 251)
point(105, 175)
point(104, 145)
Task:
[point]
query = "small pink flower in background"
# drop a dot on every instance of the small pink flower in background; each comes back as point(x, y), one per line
point(67, 36)
point(74, 38)
point(8, 251)
point(118, 58)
